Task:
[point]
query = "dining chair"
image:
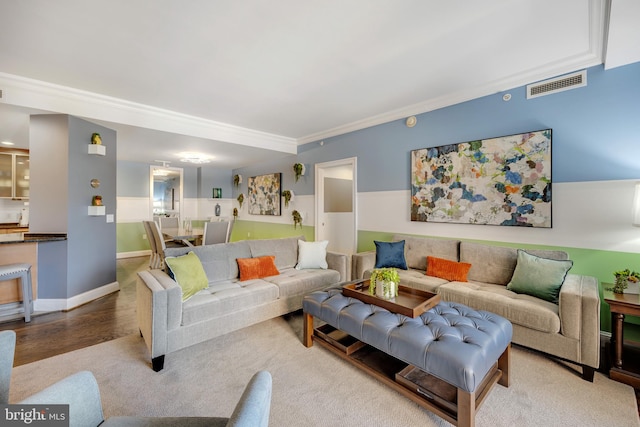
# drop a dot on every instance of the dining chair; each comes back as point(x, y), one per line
point(152, 243)
point(158, 245)
point(169, 222)
point(215, 232)
point(231, 223)
point(165, 222)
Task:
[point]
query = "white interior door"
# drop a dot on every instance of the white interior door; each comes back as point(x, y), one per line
point(336, 207)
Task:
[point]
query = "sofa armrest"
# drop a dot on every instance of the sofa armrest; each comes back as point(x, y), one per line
point(255, 404)
point(159, 308)
point(362, 262)
point(579, 310)
point(79, 391)
point(340, 263)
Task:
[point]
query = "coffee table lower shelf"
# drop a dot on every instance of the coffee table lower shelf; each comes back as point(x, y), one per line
point(443, 399)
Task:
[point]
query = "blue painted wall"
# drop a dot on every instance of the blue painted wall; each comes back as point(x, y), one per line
point(596, 132)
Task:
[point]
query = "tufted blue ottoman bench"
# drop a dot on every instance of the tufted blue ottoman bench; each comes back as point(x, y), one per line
point(447, 359)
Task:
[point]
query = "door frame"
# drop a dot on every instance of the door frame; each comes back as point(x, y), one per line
point(319, 194)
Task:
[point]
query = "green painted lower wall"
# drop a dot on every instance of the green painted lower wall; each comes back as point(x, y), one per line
point(244, 230)
point(589, 262)
point(130, 237)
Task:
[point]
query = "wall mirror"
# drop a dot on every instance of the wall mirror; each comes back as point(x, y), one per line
point(165, 189)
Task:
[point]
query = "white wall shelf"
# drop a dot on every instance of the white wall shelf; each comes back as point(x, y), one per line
point(96, 149)
point(97, 210)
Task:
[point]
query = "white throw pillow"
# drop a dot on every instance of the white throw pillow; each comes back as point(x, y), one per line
point(312, 254)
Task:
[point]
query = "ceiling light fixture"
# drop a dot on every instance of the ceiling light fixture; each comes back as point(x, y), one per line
point(7, 143)
point(194, 158)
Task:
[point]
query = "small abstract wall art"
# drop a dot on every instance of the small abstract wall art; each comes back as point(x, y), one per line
point(264, 194)
point(497, 181)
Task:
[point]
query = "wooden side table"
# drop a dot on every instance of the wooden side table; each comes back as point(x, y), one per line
point(621, 305)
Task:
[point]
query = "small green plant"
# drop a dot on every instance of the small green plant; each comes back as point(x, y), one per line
point(299, 170)
point(240, 199)
point(288, 196)
point(388, 278)
point(622, 277)
point(235, 213)
point(297, 219)
point(237, 180)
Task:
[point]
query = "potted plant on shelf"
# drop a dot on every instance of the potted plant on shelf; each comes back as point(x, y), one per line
point(624, 278)
point(288, 196)
point(384, 283)
point(240, 199)
point(299, 170)
point(237, 180)
point(297, 219)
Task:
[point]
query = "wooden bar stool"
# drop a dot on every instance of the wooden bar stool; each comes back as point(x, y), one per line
point(22, 272)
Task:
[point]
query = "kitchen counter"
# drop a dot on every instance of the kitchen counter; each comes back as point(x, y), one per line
point(31, 237)
point(23, 248)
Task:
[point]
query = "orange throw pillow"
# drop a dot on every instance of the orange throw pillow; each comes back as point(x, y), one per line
point(257, 268)
point(448, 270)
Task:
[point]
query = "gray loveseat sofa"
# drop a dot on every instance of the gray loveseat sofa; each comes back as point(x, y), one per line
point(569, 330)
point(169, 324)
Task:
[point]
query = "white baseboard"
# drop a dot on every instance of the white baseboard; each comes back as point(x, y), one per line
point(43, 304)
point(134, 254)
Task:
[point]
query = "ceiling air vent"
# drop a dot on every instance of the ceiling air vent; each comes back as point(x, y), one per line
point(557, 84)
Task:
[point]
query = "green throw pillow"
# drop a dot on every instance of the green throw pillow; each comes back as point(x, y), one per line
point(539, 277)
point(188, 272)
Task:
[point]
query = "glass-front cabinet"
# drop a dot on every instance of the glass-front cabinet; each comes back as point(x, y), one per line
point(6, 175)
point(14, 174)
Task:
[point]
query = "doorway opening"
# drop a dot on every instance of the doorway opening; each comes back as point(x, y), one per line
point(336, 205)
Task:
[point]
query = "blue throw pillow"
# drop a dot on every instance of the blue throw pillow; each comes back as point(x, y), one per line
point(390, 254)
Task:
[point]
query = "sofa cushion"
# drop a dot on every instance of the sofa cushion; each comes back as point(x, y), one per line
point(390, 255)
point(257, 268)
point(312, 255)
point(187, 271)
point(292, 282)
point(446, 269)
point(219, 260)
point(539, 277)
point(521, 309)
point(285, 250)
point(418, 248)
point(225, 297)
point(495, 264)
point(418, 280)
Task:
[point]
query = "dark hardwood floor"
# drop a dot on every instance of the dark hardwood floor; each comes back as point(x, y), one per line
point(107, 318)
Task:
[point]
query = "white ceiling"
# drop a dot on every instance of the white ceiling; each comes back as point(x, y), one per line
point(246, 81)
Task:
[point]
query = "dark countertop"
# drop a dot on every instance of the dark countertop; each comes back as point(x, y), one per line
point(31, 237)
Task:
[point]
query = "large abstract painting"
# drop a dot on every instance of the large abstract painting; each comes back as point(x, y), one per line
point(264, 194)
point(497, 181)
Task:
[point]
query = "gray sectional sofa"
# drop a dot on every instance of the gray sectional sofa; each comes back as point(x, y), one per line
point(569, 330)
point(227, 304)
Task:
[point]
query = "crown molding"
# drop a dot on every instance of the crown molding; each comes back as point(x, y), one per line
point(592, 56)
point(30, 93)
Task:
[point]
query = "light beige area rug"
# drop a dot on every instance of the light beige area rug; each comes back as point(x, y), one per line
point(312, 387)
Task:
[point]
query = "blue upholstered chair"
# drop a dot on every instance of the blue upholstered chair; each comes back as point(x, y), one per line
point(81, 392)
